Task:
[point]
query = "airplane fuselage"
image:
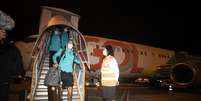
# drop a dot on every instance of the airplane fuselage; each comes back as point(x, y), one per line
point(133, 59)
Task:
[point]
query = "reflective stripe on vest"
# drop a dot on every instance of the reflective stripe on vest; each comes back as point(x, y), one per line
point(108, 78)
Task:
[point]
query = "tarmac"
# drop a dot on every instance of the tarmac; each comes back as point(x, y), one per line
point(126, 93)
point(141, 93)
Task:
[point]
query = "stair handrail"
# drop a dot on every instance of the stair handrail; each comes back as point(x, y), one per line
point(37, 59)
point(82, 54)
point(80, 50)
point(77, 78)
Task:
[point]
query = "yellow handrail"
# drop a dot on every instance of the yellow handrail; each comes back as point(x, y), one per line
point(81, 48)
point(36, 60)
point(80, 78)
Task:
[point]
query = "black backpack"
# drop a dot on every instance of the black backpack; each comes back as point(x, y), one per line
point(52, 77)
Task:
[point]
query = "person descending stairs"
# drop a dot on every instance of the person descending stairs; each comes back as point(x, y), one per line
point(41, 93)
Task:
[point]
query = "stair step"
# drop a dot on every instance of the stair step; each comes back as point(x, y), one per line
point(43, 86)
point(42, 77)
point(64, 93)
point(41, 82)
point(44, 71)
point(64, 98)
point(45, 90)
point(45, 66)
point(46, 61)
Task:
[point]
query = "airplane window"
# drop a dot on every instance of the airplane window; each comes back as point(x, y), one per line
point(145, 53)
point(97, 46)
point(141, 53)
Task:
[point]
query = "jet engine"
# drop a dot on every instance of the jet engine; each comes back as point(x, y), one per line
point(187, 73)
point(183, 71)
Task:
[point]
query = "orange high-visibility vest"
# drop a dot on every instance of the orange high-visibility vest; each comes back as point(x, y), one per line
point(109, 71)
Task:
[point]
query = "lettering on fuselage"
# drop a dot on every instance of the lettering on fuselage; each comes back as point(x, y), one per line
point(125, 53)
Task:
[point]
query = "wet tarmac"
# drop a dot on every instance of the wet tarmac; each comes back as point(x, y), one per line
point(147, 94)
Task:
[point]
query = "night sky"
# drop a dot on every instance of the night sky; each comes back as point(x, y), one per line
point(168, 24)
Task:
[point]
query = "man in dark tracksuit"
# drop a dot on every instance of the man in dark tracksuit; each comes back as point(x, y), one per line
point(10, 57)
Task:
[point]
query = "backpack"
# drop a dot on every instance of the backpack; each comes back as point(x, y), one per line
point(52, 77)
